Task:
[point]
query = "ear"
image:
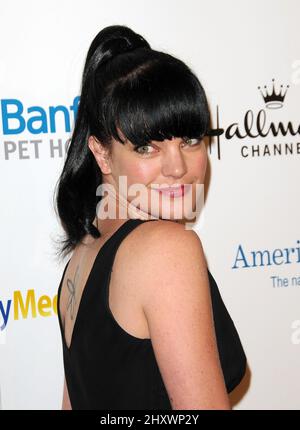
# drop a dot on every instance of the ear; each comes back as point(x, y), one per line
point(101, 155)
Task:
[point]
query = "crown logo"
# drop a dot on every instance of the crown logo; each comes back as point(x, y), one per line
point(273, 100)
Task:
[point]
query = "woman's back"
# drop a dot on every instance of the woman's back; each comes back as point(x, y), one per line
point(76, 279)
point(109, 358)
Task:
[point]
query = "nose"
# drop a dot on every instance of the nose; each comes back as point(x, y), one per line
point(173, 162)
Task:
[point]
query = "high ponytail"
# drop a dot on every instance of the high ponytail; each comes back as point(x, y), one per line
point(145, 93)
point(75, 196)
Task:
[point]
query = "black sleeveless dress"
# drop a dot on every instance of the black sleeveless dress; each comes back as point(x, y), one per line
point(108, 368)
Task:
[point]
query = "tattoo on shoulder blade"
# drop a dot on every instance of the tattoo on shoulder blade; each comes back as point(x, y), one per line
point(71, 284)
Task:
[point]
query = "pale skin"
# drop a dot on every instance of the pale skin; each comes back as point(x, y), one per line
point(172, 305)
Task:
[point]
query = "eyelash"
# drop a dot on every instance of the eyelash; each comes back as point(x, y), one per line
point(198, 141)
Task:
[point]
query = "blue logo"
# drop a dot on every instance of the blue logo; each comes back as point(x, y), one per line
point(38, 119)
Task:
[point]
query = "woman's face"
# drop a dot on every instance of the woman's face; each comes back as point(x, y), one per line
point(168, 163)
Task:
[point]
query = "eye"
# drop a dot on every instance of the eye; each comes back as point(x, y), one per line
point(192, 142)
point(138, 149)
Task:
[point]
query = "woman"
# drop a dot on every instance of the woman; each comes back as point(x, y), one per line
point(142, 322)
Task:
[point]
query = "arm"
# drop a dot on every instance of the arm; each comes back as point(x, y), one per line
point(66, 404)
point(177, 305)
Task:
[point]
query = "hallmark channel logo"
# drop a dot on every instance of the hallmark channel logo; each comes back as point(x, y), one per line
point(282, 136)
point(273, 100)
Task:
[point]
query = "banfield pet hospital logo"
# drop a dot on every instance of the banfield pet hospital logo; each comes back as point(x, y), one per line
point(35, 132)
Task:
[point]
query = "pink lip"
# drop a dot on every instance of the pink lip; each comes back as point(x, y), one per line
point(172, 191)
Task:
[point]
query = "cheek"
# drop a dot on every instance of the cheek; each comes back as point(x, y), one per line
point(139, 171)
point(198, 164)
point(203, 162)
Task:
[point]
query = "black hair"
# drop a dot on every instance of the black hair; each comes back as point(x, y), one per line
point(147, 94)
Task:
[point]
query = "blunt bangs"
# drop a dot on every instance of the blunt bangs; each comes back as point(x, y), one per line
point(161, 100)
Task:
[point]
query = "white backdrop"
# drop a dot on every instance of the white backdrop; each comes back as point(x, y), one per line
point(250, 226)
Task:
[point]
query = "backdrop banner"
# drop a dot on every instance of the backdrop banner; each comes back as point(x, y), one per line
point(247, 56)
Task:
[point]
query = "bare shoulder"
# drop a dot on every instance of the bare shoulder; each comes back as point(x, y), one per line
point(170, 270)
point(164, 233)
point(162, 251)
point(167, 252)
